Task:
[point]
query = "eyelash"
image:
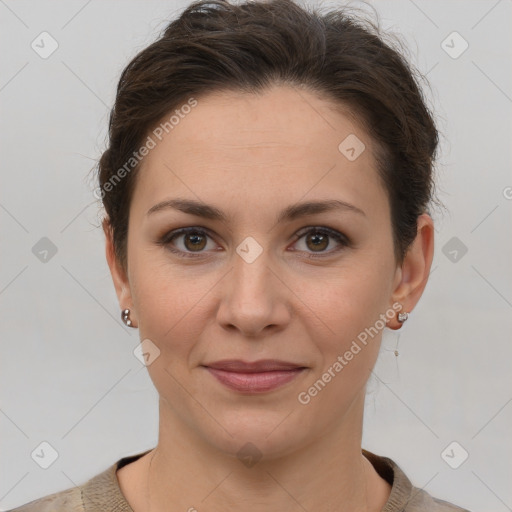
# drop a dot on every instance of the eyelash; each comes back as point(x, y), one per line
point(336, 235)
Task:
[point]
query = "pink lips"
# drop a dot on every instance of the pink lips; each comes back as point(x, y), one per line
point(255, 377)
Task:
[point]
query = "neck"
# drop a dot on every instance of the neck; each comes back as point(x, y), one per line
point(328, 473)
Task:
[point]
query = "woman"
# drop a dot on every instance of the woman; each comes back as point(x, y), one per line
point(266, 189)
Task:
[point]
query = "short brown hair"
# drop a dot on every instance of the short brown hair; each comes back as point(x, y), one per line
point(216, 46)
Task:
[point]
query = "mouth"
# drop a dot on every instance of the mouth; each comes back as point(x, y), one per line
point(254, 377)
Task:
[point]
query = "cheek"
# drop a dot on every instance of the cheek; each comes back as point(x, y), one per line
point(164, 302)
point(171, 315)
point(347, 343)
point(353, 299)
point(349, 304)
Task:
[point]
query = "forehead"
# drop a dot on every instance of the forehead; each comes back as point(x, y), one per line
point(283, 144)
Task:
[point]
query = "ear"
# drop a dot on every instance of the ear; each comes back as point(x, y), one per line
point(119, 277)
point(411, 278)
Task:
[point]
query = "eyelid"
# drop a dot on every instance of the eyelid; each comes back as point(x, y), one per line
point(324, 229)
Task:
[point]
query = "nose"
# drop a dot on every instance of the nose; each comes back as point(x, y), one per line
point(254, 299)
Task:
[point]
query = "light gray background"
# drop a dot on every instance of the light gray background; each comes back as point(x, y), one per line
point(68, 373)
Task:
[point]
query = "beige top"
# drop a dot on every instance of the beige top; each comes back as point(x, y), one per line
point(103, 494)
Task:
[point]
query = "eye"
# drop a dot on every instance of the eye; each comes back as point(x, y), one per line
point(317, 239)
point(193, 240)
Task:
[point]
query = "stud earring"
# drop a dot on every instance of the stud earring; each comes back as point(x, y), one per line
point(402, 317)
point(125, 315)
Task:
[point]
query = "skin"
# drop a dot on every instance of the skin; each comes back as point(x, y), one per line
point(251, 156)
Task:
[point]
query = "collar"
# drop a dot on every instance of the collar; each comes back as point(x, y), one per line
point(104, 490)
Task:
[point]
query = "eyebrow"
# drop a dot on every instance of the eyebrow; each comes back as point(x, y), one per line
point(290, 213)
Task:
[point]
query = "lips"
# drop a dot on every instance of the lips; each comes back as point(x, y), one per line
point(254, 377)
point(266, 365)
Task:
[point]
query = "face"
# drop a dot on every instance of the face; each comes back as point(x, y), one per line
point(258, 284)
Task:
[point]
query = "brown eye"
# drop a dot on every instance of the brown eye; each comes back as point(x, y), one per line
point(186, 242)
point(317, 241)
point(194, 241)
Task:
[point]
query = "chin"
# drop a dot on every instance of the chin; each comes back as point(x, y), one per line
point(257, 434)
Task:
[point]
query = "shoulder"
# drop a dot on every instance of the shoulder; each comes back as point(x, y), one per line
point(98, 494)
point(421, 501)
point(68, 500)
point(404, 497)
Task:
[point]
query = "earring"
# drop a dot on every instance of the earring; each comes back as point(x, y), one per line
point(125, 315)
point(402, 317)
